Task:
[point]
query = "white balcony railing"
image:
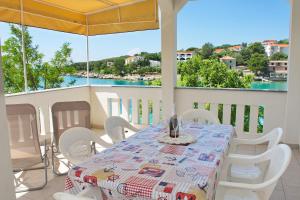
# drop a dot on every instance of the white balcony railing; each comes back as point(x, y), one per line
point(142, 105)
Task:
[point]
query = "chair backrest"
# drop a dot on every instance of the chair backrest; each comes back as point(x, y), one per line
point(279, 158)
point(114, 127)
point(273, 137)
point(75, 144)
point(199, 116)
point(24, 136)
point(67, 115)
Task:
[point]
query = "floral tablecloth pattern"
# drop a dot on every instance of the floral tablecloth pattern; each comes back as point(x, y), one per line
point(142, 168)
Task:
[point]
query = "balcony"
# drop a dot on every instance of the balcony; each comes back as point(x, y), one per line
point(142, 106)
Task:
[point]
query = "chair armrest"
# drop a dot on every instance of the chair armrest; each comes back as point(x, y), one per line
point(241, 160)
point(245, 186)
point(244, 159)
point(132, 128)
point(98, 140)
point(239, 141)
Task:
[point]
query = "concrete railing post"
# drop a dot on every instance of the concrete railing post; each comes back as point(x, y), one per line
point(169, 10)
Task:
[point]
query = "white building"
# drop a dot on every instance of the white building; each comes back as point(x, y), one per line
point(278, 69)
point(133, 59)
point(184, 55)
point(109, 64)
point(154, 63)
point(272, 47)
point(229, 61)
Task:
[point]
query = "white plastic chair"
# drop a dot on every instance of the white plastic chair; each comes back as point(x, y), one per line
point(199, 116)
point(278, 157)
point(272, 138)
point(114, 127)
point(253, 173)
point(75, 144)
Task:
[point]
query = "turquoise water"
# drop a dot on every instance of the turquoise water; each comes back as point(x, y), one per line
point(98, 81)
point(281, 86)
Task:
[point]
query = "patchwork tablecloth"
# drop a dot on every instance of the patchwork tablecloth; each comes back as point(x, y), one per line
point(142, 168)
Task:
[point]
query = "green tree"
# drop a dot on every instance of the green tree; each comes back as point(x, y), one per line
point(195, 49)
point(52, 73)
point(207, 50)
point(258, 63)
point(256, 47)
point(39, 74)
point(198, 72)
point(248, 51)
point(279, 56)
point(284, 41)
point(151, 56)
point(13, 62)
point(156, 82)
point(119, 67)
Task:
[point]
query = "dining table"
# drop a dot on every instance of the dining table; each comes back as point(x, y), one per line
point(142, 167)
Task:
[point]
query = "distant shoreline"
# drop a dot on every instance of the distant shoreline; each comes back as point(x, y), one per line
point(133, 77)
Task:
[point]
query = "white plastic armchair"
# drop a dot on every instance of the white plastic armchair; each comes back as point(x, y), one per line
point(199, 116)
point(252, 173)
point(272, 138)
point(114, 127)
point(279, 158)
point(75, 144)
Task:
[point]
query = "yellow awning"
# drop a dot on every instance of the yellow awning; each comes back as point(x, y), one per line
point(84, 17)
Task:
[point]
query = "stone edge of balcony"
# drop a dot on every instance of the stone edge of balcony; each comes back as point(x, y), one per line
point(142, 86)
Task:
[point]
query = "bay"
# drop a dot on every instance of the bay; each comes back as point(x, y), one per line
point(280, 86)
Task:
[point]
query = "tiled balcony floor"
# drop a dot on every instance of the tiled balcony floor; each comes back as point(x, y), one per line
point(288, 187)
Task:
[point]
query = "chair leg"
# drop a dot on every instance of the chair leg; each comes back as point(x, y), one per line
point(54, 170)
point(45, 178)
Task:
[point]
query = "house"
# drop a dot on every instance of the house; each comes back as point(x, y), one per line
point(236, 48)
point(271, 47)
point(219, 50)
point(133, 59)
point(278, 69)
point(154, 63)
point(229, 61)
point(109, 64)
point(268, 42)
point(184, 55)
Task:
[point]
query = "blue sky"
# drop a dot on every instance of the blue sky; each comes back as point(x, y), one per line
point(201, 21)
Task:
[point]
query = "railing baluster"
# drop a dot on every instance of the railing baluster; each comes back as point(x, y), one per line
point(115, 106)
point(135, 111)
point(201, 105)
point(214, 108)
point(125, 108)
point(240, 120)
point(145, 112)
point(226, 114)
point(253, 120)
point(155, 114)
